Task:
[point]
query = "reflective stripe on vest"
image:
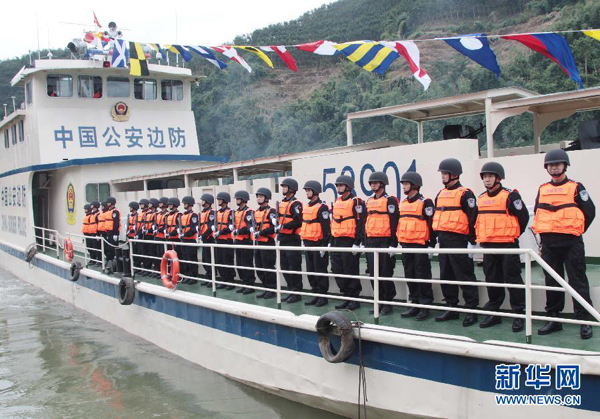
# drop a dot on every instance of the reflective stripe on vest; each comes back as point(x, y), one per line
point(311, 226)
point(494, 223)
point(412, 226)
point(261, 216)
point(378, 219)
point(161, 219)
point(343, 222)
point(131, 224)
point(240, 222)
point(449, 215)
point(186, 225)
point(223, 218)
point(149, 222)
point(285, 213)
point(557, 211)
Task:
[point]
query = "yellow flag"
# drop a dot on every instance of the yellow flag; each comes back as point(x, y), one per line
point(595, 33)
point(257, 52)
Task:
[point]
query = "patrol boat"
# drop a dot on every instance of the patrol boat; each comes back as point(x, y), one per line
point(86, 132)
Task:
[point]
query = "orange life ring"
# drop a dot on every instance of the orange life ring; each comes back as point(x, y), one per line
point(68, 250)
point(170, 280)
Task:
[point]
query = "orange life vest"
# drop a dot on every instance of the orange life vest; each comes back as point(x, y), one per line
point(557, 211)
point(412, 226)
point(261, 216)
point(149, 222)
point(494, 223)
point(311, 226)
point(343, 222)
point(161, 219)
point(171, 224)
point(204, 222)
point(106, 221)
point(378, 219)
point(140, 221)
point(131, 225)
point(186, 225)
point(101, 222)
point(90, 225)
point(449, 215)
point(285, 212)
point(240, 222)
point(223, 218)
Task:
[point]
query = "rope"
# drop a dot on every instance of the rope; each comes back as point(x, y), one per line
point(362, 376)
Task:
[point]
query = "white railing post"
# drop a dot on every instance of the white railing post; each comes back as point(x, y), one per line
point(278, 269)
point(131, 259)
point(102, 252)
point(213, 269)
point(528, 300)
point(56, 242)
point(43, 240)
point(376, 287)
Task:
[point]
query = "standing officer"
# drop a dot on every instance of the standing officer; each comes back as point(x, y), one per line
point(347, 225)
point(149, 223)
point(173, 223)
point(189, 234)
point(207, 220)
point(141, 233)
point(112, 227)
point(380, 232)
point(160, 225)
point(415, 232)
point(264, 234)
point(290, 221)
point(315, 232)
point(95, 242)
point(222, 234)
point(132, 227)
point(243, 221)
point(454, 223)
point(563, 212)
point(502, 218)
point(89, 228)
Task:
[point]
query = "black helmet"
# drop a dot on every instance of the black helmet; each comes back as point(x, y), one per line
point(87, 207)
point(208, 198)
point(290, 183)
point(556, 156)
point(243, 195)
point(266, 192)
point(224, 196)
point(173, 201)
point(188, 200)
point(451, 166)
point(164, 200)
point(134, 205)
point(345, 180)
point(96, 204)
point(412, 177)
point(144, 201)
point(111, 200)
point(154, 202)
point(104, 203)
point(492, 167)
point(379, 177)
point(314, 186)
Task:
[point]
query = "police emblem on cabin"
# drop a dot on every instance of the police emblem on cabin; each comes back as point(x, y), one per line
point(71, 212)
point(120, 112)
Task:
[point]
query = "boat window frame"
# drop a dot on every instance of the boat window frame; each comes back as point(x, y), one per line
point(94, 79)
point(110, 79)
point(143, 89)
point(27, 91)
point(6, 139)
point(13, 134)
point(59, 75)
point(98, 191)
point(21, 130)
point(170, 81)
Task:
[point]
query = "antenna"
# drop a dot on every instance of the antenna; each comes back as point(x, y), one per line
point(5, 105)
point(37, 31)
point(14, 106)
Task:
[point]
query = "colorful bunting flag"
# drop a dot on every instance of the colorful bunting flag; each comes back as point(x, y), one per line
point(178, 49)
point(371, 56)
point(410, 51)
point(120, 54)
point(593, 34)
point(554, 47)
point(258, 52)
point(284, 54)
point(159, 49)
point(96, 22)
point(233, 54)
point(476, 47)
point(206, 53)
point(319, 48)
point(137, 60)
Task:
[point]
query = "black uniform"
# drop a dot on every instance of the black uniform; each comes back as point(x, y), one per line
point(314, 261)
point(291, 260)
point(419, 265)
point(150, 248)
point(566, 251)
point(189, 253)
point(224, 255)
point(244, 257)
point(95, 243)
point(455, 267)
point(207, 237)
point(265, 259)
point(506, 268)
point(112, 236)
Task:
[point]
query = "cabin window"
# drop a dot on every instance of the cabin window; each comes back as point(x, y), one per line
point(6, 139)
point(28, 98)
point(21, 131)
point(144, 89)
point(13, 133)
point(97, 192)
point(117, 86)
point(90, 86)
point(60, 85)
point(171, 90)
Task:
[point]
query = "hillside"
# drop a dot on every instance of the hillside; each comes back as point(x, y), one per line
point(241, 115)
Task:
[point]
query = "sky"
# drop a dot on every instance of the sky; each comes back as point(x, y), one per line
point(178, 22)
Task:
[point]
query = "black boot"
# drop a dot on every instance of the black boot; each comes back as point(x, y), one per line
point(269, 295)
point(550, 326)
point(241, 290)
point(312, 301)
point(518, 325)
point(423, 314)
point(262, 294)
point(411, 312)
point(585, 331)
point(490, 321)
point(447, 315)
point(470, 320)
point(353, 305)
point(321, 302)
point(342, 306)
point(293, 298)
point(247, 291)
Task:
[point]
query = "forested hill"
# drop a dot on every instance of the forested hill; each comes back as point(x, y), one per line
point(267, 112)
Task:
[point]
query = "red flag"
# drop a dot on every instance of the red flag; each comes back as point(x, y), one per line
point(285, 56)
point(96, 21)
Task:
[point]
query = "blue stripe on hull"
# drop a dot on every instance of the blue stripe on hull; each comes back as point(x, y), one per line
point(474, 373)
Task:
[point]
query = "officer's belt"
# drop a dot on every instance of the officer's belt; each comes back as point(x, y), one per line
point(339, 220)
point(418, 217)
point(377, 212)
point(553, 208)
point(492, 212)
point(448, 208)
point(310, 221)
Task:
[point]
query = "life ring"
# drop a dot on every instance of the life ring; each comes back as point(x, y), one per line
point(68, 250)
point(335, 323)
point(170, 280)
point(126, 291)
point(30, 252)
point(74, 271)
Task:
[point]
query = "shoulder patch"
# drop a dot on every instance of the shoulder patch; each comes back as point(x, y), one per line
point(249, 217)
point(359, 209)
point(115, 215)
point(194, 219)
point(391, 209)
point(211, 217)
point(471, 202)
point(429, 211)
point(325, 215)
point(518, 204)
point(298, 209)
point(584, 195)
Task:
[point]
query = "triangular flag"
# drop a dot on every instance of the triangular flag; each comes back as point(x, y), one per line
point(206, 53)
point(476, 47)
point(233, 54)
point(410, 51)
point(595, 33)
point(284, 54)
point(178, 49)
point(319, 48)
point(258, 52)
point(370, 55)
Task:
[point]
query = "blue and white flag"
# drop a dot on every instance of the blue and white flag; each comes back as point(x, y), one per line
point(476, 47)
point(206, 53)
point(120, 55)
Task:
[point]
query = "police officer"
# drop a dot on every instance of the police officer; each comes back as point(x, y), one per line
point(89, 228)
point(189, 234)
point(502, 218)
point(149, 224)
point(415, 232)
point(173, 223)
point(222, 234)
point(288, 229)
point(380, 232)
point(315, 232)
point(132, 226)
point(112, 227)
point(95, 254)
point(264, 235)
point(243, 221)
point(207, 220)
point(160, 225)
point(454, 223)
point(141, 233)
point(563, 212)
point(347, 225)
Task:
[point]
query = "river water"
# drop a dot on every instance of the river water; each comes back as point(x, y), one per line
point(57, 361)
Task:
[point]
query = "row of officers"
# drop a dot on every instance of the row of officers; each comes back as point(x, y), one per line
point(496, 219)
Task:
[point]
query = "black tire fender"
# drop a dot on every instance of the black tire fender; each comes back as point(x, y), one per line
point(126, 291)
point(335, 323)
point(74, 271)
point(30, 252)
